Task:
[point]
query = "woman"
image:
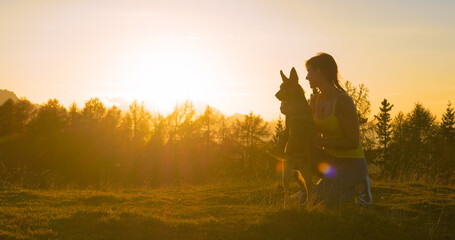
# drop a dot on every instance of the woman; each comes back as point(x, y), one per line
point(338, 149)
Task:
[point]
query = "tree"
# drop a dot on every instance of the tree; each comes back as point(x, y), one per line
point(47, 131)
point(140, 122)
point(224, 132)
point(252, 130)
point(208, 121)
point(447, 144)
point(251, 134)
point(158, 124)
point(422, 122)
point(90, 125)
point(180, 121)
point(93, 112)
point(126, 131)
point(112, 119)
point(50, 120)
point(398, 145)
point(229, 151)
point(448, 124)
point(154, 149)
point(384, 128)
point(359, 96)
point(111, 129)
point(413, 142)
point(23, 113)
point(74, 117)
point(7, 118)
point(422, 137)
point(92, 116)
point(277, 138)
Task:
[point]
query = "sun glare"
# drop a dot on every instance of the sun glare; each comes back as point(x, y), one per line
point(165, 77)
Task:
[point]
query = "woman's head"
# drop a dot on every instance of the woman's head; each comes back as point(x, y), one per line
point(325, 65)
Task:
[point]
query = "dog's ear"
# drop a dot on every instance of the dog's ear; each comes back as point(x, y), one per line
point(293, 75)
point(285, 79)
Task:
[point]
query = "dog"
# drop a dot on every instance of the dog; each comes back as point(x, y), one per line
point(299, 130)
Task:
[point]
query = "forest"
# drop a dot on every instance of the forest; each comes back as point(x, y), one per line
point(50, 146)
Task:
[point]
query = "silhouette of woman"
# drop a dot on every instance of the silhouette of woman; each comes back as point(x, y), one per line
point(340, 155)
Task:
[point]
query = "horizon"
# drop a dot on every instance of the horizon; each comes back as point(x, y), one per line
point(200, 108)
point(226, 55)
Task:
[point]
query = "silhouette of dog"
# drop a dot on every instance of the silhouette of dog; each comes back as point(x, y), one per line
point(299, 129)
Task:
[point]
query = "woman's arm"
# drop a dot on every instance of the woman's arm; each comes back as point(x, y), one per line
point(346, 113)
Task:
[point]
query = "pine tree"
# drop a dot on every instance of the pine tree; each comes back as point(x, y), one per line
point(422, 130)
point(447, 145)
point(384, 127)
point(398, 146)
point(448, 123)
point(279, 130)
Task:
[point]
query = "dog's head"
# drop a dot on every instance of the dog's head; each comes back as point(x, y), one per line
point(290, 94)
point(286, 87)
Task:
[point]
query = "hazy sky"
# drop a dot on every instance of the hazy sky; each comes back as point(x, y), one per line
point(224, 53)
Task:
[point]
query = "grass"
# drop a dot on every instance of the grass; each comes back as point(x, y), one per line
point(223, 211)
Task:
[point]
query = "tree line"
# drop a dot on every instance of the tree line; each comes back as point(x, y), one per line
point(96, 146)
point(52, 146)
point(415, 144)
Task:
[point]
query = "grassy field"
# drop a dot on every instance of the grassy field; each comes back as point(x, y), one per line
point(223, 211)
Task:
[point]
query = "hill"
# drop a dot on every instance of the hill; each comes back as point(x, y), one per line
point(5, 95)
point(223, 211)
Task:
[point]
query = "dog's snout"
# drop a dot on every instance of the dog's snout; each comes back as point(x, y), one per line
point(279, 96)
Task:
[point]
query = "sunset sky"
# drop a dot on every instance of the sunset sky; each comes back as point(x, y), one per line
point(227, 54)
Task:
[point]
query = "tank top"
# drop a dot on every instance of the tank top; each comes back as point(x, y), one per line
point(331, 129)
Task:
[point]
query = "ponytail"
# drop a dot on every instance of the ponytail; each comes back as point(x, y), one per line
point(337, 84)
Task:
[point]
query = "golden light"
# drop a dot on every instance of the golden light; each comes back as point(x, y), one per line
point(166, 76)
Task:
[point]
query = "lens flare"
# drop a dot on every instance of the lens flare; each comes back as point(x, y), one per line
point(327, 169)
point(279, 167)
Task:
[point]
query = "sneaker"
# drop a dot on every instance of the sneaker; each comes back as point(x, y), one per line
point(364, 197)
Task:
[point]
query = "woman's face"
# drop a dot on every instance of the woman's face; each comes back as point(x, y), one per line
point(314, 77)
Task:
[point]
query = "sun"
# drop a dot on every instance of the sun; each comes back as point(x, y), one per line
point(166, 76)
